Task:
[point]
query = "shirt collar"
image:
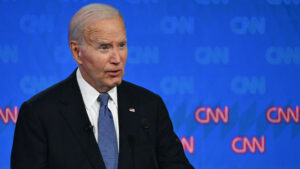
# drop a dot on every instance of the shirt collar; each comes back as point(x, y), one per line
point(90, 94)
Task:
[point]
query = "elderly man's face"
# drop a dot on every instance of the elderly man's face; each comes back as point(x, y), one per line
point(103, 57)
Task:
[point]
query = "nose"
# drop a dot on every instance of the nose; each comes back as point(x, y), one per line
point(116, 57)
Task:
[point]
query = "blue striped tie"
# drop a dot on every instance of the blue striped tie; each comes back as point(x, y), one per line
point(107, 139)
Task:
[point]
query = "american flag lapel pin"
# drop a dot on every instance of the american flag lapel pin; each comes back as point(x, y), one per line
point(132, 109)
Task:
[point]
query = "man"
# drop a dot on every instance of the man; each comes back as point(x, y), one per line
point(93, 119)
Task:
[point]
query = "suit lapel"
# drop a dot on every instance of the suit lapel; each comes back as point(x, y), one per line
point(76, 117)
point(128, 125)
point(73, 111)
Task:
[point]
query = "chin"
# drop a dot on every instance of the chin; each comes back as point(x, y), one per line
point(115, 82)
point(118, 82)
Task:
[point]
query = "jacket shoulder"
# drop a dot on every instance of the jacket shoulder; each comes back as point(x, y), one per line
point(52, 93)
point(138, 92)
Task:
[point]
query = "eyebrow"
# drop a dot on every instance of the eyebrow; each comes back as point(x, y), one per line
point(108, 43)
point(103, 43)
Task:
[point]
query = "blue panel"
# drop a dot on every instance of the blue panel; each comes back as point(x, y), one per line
point(227, 70)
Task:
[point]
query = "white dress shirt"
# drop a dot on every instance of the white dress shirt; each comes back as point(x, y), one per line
point(92, 105)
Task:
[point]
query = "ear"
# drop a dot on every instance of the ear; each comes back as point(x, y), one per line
point(76, 51)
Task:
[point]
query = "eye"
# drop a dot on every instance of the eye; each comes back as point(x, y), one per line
point(104, 47)
point(123, 44)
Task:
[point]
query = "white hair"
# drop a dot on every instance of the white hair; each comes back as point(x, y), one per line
point(87, 15)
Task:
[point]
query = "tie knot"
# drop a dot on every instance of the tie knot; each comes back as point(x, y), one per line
point(103, 99)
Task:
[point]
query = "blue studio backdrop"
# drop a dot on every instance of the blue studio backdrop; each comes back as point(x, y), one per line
point(228, 71)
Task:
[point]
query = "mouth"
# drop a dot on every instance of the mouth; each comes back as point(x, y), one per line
point(114, 72)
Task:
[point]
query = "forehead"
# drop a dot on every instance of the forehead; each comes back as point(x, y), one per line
point(109, 28)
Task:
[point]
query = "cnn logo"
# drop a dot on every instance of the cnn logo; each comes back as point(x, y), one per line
point(275, 115)
point(240, 145)
point(188, 144)
point(7, 113)
point(210, 114)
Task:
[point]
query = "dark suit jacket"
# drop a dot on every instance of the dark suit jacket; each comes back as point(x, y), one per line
point(53, 131)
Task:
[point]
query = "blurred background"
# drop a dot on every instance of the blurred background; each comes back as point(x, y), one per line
point(228, 71)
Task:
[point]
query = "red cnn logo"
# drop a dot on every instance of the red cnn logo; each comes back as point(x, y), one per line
point(188, 145)
point(210, 114)
point(9, 114)
point(281, 114)
point(247, 144)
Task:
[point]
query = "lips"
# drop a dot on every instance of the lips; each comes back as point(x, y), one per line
point(114, 72)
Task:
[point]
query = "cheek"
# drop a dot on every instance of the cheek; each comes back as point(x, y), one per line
point(90, 64)
point(99, 65)
point(93, 66)
point(94, 61)
point(87, 57)
point(124, 57)
point(87, 61)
